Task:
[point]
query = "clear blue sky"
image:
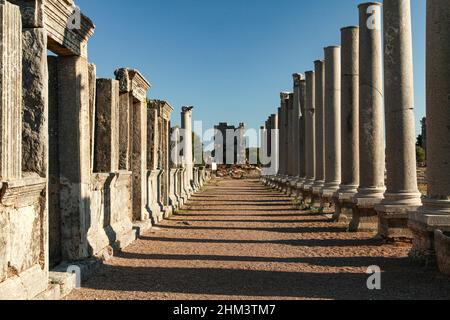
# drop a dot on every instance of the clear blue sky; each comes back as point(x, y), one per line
point(229, 59)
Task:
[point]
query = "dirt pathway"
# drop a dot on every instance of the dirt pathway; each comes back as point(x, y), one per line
point(238, 240)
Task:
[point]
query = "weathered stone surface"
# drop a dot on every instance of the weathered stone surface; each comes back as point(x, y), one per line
point(75, 159)
point(11, 92)
point(310, 132)
point(107, 126)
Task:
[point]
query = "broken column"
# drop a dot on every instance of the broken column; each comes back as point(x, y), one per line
point(154, 203)
point(186, 134)
point(435, 211)
point(320, 130)
point(332, 125)
point(174, 196)
point(402, 194)
point(371, 135)
point(301, 127)
point(349, 124)
point(284, 103)
point(310, 136)
point(297, 78)
point(132, 82)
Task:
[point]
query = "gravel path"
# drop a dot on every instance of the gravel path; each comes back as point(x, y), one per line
point(238, 240)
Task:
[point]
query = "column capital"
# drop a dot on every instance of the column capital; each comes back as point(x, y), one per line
point(298, 77)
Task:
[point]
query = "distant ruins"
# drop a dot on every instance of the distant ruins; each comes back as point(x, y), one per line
point(85, 162)
point(333, 155)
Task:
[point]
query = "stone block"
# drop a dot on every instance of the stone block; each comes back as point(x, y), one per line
point(106, 149)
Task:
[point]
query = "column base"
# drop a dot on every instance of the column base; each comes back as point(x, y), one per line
point(393, 222)
point(423, 225)
point(327, 201)
point(343, 203)
point(365, 217)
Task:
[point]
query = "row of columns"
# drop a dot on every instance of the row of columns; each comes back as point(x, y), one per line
point(346, 159)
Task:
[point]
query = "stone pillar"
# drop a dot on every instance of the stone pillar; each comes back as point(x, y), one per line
point(275, 134)
point(284, 97)
point(402, 195)
point(297, 78)
point(11, 93)
point(371, 142)
point(35, 100)
point(320, 128)
point(125, 121)
point(132, 82)
point(310, 134)
point(349, 123)
point(74, 155)
point(106, 151)
point(154, 172)
point(302, 131)
point(291, 137)
point(186, 125)
point(332, 124)
point(92, 70)
point(435, 212)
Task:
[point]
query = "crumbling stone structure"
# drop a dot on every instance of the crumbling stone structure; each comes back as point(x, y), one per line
point(74, 164)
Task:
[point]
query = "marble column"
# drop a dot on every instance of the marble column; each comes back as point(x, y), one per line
point(435, 211)
point(320, 130)
point(302, 131)
point(284, 97)
point(310, 136)
point(402, 195)
point(371, 135)
point(297, 79)
point(280, 148)
point(11, 93)
point(186, 125)
point(332, 125)
point(349, 123)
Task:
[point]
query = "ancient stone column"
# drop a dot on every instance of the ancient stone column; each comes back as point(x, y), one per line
point(302, 132)
point(284, 97)
point(402, 195)
point(11, 92)
point(371, 135)
point(154, 172)
point(310, 134)
point(276, 146)
point(186, 125)
point(332, 124)
point(125, 121)
point(74, 154)
point(349, 123)
point(280, 148)
point(297, 77)
point(136, 85)
point(435, 212)
point(106, 153)
point(320, 129)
